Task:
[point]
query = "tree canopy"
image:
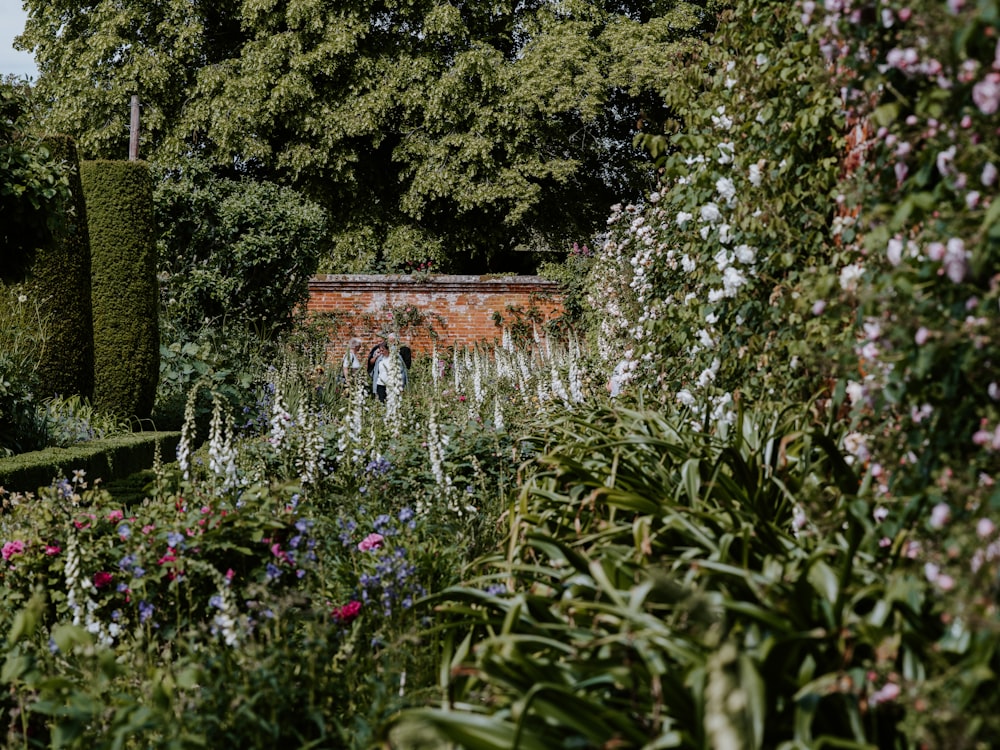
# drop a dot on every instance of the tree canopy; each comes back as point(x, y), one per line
point(448, 131)
point(34, 187)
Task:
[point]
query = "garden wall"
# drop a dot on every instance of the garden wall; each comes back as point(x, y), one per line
point(457, 309)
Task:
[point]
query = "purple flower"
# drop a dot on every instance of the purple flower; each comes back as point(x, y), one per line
point(145, 611)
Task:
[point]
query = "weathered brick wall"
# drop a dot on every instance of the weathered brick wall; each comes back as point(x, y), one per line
point(460, 309)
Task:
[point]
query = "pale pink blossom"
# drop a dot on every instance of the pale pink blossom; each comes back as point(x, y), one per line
point(986, 94)
point(370, 542)
point(921, 336)
point(944, 160)
point(10, 549)
point(985, 528)
point(989, 175)
point(888, 692)
point(940, 516)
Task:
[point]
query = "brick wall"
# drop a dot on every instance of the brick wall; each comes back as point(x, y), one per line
point(459, 309)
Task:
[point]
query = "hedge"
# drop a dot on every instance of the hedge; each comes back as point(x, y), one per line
point(107, 459)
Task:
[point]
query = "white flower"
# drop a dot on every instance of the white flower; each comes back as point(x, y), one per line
point(849, 276)
point(894, 251)
point(756, 174)
point(685, 397)
point(683, 217)
point(726, 189)
point(855, 392)
point(722, 259)
point(725, 153)
point(746, 254)
point(722, 121)
point(955, 260)
point(710, 213)
point(732, 280)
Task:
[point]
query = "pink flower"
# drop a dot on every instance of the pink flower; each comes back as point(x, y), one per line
point(347, 613)
point(940, 515)
point(10, 549)
point(921, 336)
point(986, 94)
point(115, 516)
point(52, 549)
point(985, 527)
point(102, 579)
point(370, 542)
point(888, 692)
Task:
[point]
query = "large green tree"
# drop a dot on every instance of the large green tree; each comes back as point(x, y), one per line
point(451, 131)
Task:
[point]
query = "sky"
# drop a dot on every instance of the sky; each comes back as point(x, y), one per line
point(20, 64)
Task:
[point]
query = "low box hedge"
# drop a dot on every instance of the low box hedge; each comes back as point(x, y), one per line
point(107, 459)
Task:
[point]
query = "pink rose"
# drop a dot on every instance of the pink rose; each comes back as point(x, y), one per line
point(10, 549)
point(347, 613)
point(370, 542)
point(102, 579)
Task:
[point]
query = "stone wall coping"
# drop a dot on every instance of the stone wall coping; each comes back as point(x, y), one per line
point(437, 282)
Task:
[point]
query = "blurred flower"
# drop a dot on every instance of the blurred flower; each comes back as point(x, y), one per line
point(10, 549)
point(370, 542)
point(102, 579)
point(348, 613)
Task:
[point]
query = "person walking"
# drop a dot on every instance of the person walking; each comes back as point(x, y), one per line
point(383, 375)
point(351, 365)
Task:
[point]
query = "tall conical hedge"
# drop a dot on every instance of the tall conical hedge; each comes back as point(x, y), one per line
point(59, 279)
point(119, 196)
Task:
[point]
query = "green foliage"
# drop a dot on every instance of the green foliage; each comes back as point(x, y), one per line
point(124, 293)
point(116, 456)
point(427, 131)
point(234, 253)
point(73, 420)
point(23, 336)
point(60, 279)
point(34, 184)
point(667, 588)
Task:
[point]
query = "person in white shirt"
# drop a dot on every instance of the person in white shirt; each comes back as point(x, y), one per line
point(351, 365)
point(382, 375)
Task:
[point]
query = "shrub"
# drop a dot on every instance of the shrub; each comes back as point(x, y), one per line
point(60, 279)
point(23, 338)
point(123, 262)
point(234, 253)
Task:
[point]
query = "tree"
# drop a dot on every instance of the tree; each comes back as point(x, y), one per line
point(456, 132)
point(34, 187)
point(238, 253)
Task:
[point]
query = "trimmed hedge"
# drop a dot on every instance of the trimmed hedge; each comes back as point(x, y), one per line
point(119, 197)
point(107, 459)
point(60, 279)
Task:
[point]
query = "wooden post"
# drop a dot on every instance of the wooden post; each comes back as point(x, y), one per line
point(133, 130)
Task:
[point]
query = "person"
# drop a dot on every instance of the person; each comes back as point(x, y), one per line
point(373, 354)
point(351, 365)
point(382, 374)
